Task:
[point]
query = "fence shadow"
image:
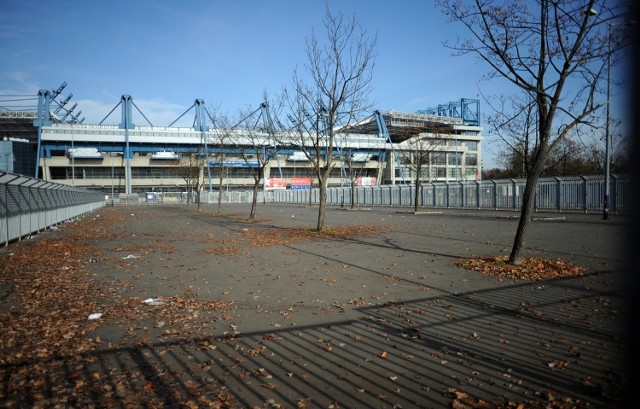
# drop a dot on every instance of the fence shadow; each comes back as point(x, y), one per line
point(544, 341)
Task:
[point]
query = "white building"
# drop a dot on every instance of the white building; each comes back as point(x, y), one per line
point(380, 149)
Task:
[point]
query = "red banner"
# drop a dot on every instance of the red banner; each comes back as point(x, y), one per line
point(275, 183)
point(300, 181)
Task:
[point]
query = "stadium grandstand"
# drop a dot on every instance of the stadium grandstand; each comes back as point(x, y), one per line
point(42, 137)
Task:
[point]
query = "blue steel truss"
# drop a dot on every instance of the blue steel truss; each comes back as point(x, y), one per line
point(466, 109)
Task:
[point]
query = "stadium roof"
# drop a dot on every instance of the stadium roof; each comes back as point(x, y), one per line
point(18, 124)
point(404, 125)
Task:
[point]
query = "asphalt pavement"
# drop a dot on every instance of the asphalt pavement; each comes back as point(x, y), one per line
point(383, 318)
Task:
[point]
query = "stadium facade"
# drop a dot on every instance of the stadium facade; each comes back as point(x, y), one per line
point(380, 149)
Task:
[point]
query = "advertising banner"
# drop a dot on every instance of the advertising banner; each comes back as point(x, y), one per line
point(366, 181)
point(300, 183)
point(275, 183)
point(233, 164)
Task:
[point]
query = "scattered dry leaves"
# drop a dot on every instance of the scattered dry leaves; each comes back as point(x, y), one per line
point(278, 237)
point(528, 269)
point(47, 350)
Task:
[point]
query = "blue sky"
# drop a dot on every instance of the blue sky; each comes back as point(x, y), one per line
point(165, 54)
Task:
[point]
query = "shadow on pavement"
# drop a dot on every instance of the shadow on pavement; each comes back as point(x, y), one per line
point(547, 342)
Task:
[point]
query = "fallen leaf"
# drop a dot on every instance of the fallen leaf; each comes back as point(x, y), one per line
point(460, 395)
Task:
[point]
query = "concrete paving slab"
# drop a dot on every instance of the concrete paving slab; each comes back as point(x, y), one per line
point(382, 320)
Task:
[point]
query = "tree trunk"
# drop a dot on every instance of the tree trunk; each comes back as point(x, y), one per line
point(416, 196)
point(254, 201)
point(322, 205)
point(219, 200)
point(528, 201)
point(353, 194)
point(220, 184)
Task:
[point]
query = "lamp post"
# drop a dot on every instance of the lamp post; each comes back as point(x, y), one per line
point(607, 134)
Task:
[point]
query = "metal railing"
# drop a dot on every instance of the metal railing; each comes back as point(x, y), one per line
point(557, 194)
point(583, 193)
point(28, 205)
point(172, 198)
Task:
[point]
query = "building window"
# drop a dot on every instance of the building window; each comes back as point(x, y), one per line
point(470, 173)
point(232, 172)
point(471, 159)
point(289, 172)
point(438, 158)
point(154, 173)
point(58, 172)
point(455, 158)
point(471, 145)
point(405, 173)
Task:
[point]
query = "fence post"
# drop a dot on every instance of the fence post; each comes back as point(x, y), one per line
point(585, 194)
point(559, 194)
point(392, 190)
point(448, 193)
point(462, 193)
point(32, 213)
point(478, 196)
point(6, 213)
point(495, 195)
point(614, 194)
point(433, 195)
point(382, 197)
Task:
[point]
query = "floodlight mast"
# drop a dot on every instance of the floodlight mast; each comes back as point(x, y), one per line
point(202, 127)
point(127, 124)
point(43, 119)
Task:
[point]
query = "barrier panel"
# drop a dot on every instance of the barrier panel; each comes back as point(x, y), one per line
point(556, 194)
point(28, 205)
point(583, 193)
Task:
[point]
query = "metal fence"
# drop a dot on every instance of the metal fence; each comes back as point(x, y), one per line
point(584, 194)
point(578, 194)
point(169, 198)
point(28, 205)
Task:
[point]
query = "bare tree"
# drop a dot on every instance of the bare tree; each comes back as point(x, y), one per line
point(514, 122)
point(334, 94)
point(257, 148)
point(190, 169)
point(354, 166)
point(556, 53)
point(221, 172)
point(419, 154)
point(220, 137)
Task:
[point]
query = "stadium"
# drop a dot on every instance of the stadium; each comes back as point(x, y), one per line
point(54, 144)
